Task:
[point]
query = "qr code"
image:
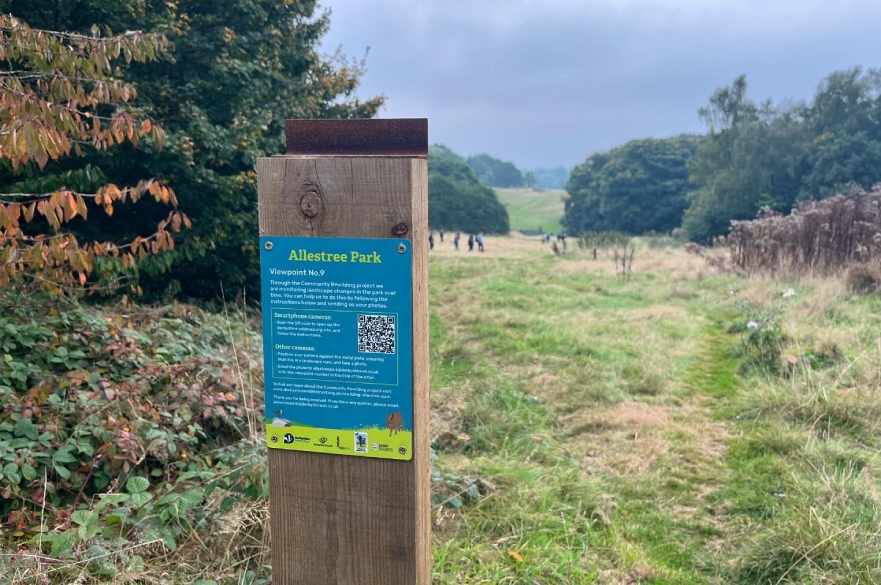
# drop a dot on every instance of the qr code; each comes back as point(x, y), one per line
point(376, 333)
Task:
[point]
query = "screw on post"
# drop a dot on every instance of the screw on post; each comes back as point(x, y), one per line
point(268, 246)
point(402, 247)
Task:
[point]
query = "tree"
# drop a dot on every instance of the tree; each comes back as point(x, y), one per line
point(845, 119)
point(239, 68)
point(551, 178)
point(530, 179)
point(494, 172)
point(457, 200)
point(59, 97)
point(759, 156)
point(752, 158)
point(639, 187)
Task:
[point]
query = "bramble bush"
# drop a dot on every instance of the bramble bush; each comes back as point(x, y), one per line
point(124, 425)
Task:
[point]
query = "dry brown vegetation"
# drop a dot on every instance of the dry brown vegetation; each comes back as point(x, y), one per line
point(817, 237)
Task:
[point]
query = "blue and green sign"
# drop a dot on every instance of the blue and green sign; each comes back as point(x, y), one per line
point(337, 345)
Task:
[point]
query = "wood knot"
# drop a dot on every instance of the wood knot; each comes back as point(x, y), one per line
point(400, 229)
point(311, 201)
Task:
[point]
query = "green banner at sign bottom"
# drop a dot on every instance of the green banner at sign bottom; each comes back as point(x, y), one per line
point(376, 442)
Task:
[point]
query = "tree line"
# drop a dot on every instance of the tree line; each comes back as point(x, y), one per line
point(494, 172)
point(209, 103)
point(753, 156)
point(457, 199)
point(234, 72)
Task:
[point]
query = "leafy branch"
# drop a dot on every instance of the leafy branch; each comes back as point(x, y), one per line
point(60, 92)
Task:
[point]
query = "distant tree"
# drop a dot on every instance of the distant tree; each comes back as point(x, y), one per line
point(844, 118)
point(457, 200)
point(750, 159)
point(60, 97)
point(494, 172)
point(238, 69)
point(551, 178)
point(635, 188)
point(530, 179)
point(770, 156)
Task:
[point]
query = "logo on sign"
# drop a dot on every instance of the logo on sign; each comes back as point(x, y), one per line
point(360, 442)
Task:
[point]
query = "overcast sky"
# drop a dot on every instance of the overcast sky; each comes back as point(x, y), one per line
point(546, 82)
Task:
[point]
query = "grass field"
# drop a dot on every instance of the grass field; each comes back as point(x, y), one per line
point(644, 431)
point(531, 210)
point(677, 427)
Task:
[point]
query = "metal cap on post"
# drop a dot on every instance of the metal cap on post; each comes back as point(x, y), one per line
point(349, 505)
point(376, 137)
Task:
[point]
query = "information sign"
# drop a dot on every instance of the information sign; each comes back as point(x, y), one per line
point(337, 342)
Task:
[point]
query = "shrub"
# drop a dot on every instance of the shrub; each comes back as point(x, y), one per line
point(92, 399)
point(818, 236)
point(864, 279)
point(762, 338)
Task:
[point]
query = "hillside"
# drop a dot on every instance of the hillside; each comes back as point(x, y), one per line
point(533, 210)
point(457, 200)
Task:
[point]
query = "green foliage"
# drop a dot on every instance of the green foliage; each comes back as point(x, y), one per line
point(494, 172)
point(124, 409)
point(762, 338)
point(239, 69)
point(639, 187)
point(456, 198)
point(774, 156)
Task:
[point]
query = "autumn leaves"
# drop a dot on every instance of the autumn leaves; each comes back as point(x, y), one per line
point(59, 94)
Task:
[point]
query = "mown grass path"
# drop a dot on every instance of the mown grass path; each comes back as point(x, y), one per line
point(578, 391)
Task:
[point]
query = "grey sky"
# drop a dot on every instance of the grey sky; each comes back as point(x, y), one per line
point(546, 82)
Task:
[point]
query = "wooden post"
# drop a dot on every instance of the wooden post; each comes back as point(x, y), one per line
point(336, 519)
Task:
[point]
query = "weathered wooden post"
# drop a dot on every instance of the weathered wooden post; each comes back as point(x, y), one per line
point(344, 229)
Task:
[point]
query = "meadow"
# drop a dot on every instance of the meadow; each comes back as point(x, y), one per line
point(530, 209)
point(677, 426)
point(680, 426)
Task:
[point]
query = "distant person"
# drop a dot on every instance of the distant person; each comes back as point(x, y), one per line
point(431, 240)
point(470, 242)
point(456, 237)
point(441, 234)
point(480, 242)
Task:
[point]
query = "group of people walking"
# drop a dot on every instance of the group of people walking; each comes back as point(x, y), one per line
point(559, 245)
point(473, 240)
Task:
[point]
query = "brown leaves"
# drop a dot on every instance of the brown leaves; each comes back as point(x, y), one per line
point(51, 96)
point(60, 260)
point(85, 55)
point(58, 80)
point(819, 236)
